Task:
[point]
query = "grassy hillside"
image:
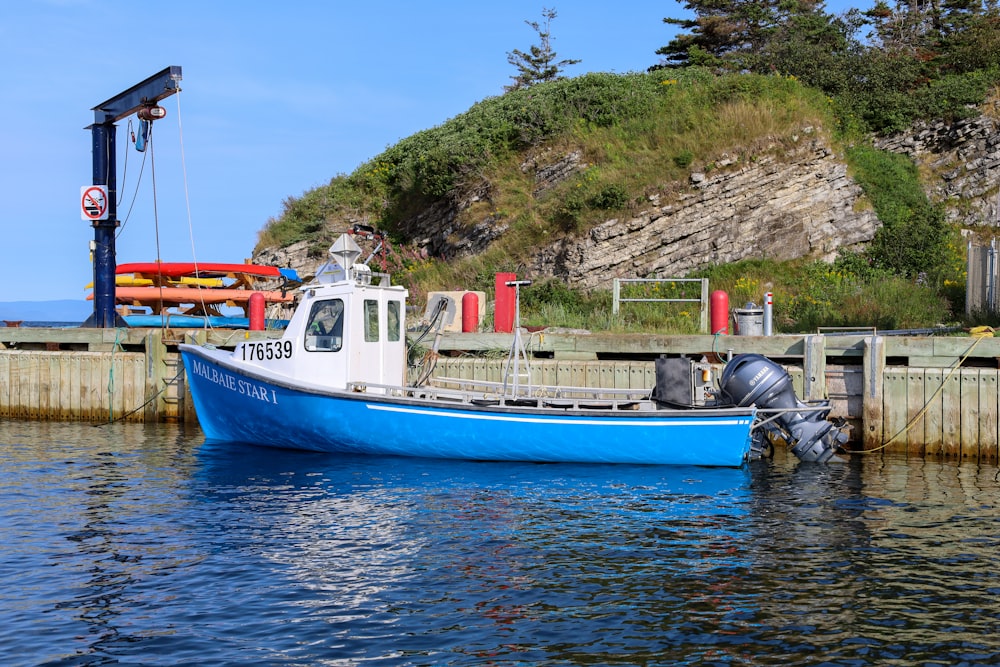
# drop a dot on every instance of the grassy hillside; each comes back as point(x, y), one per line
point(640, 134)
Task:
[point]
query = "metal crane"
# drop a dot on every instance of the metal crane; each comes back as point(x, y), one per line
point(140, 99)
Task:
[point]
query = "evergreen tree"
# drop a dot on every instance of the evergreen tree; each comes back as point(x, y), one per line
point(817, 48)
point(757, 36)
point(950, 36)
point(539, 63)
point(909, 28)
point(973, 43)
point(725, 33)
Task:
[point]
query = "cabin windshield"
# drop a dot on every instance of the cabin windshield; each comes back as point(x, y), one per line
point(325, 329)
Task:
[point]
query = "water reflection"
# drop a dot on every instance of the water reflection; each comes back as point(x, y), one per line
point(132, 542)
point(875, 561)
point(505, 550)
point(80, 524)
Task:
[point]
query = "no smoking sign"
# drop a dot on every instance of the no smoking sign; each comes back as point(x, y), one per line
point(94, 202)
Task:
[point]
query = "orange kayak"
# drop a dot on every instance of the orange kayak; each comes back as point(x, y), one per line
point(147, 295)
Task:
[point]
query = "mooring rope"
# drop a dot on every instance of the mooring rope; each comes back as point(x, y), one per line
point(148, 401)
point(927, 404)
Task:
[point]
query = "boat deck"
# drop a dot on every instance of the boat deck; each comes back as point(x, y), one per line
point(495, 394)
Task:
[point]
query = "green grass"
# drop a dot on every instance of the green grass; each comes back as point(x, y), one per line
point(807, 295)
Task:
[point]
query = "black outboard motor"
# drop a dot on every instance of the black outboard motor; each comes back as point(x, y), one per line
point(753, 379)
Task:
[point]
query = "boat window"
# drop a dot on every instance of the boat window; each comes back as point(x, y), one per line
point(393, 318)
point(371, 321)
point(325, 329)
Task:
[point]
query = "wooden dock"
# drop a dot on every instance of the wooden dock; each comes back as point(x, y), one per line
point(100, 375)
point(916, 395)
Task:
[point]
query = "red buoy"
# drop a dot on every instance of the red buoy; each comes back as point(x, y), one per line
point(256, 311)
point(506, 303)
point(470, 312)
point(720, 312)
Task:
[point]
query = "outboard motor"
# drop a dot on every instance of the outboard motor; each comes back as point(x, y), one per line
point(753, 379)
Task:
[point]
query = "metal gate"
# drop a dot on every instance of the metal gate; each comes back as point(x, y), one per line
point(981, 279)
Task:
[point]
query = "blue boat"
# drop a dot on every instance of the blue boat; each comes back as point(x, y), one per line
point(335, 382)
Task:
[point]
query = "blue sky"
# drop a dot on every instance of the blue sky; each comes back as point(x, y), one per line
point(277, 98)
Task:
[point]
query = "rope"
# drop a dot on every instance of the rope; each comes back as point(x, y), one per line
point(715, 342)
point(135, 195)
point(111, 374)
point(187, 205)
point(930, 400)
point(131, 134)
point(148, 401)
point(156, 217)
point(776, 413)
point(429, 360)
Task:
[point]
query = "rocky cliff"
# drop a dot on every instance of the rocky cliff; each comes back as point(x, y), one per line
point(782, 204)
point(959, 164)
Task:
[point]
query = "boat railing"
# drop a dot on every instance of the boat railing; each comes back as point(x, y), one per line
point(544, 391)
point(488, 394)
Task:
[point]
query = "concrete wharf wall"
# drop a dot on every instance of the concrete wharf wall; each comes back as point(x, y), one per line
point(916, 395)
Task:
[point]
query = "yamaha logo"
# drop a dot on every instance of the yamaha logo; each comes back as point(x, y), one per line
point(764, 372)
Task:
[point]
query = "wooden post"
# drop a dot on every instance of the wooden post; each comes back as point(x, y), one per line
point(154, 374)
point(894, 421)
point(969, 387)
point(934, 411)
point(7, 385)
point(989, 402)
point(915, 439)
point(872, 407)
point(951, 404)
point(814, 368)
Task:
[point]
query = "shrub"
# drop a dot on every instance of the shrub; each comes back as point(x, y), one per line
point(684, 159)
point(610, 197)
point(913, 239)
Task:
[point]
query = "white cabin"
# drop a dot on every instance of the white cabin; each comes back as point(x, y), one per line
point(344, 330)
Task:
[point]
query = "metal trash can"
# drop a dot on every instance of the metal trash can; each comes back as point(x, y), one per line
point(749, 320)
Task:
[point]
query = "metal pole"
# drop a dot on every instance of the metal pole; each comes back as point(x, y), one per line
point(991, 278)
point(768, 314)
point(104, 316)
point(703, 319)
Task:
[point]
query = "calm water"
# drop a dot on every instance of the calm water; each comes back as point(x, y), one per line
point(143, 545)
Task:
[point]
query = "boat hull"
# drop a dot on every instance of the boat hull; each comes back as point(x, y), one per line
point(242, 405)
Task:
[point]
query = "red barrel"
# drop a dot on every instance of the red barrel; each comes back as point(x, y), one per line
point(720, 312)
point(506, 303)
point(470, 312)
point(256, 308)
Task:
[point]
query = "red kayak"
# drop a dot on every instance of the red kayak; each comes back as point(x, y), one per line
point(201, 269)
